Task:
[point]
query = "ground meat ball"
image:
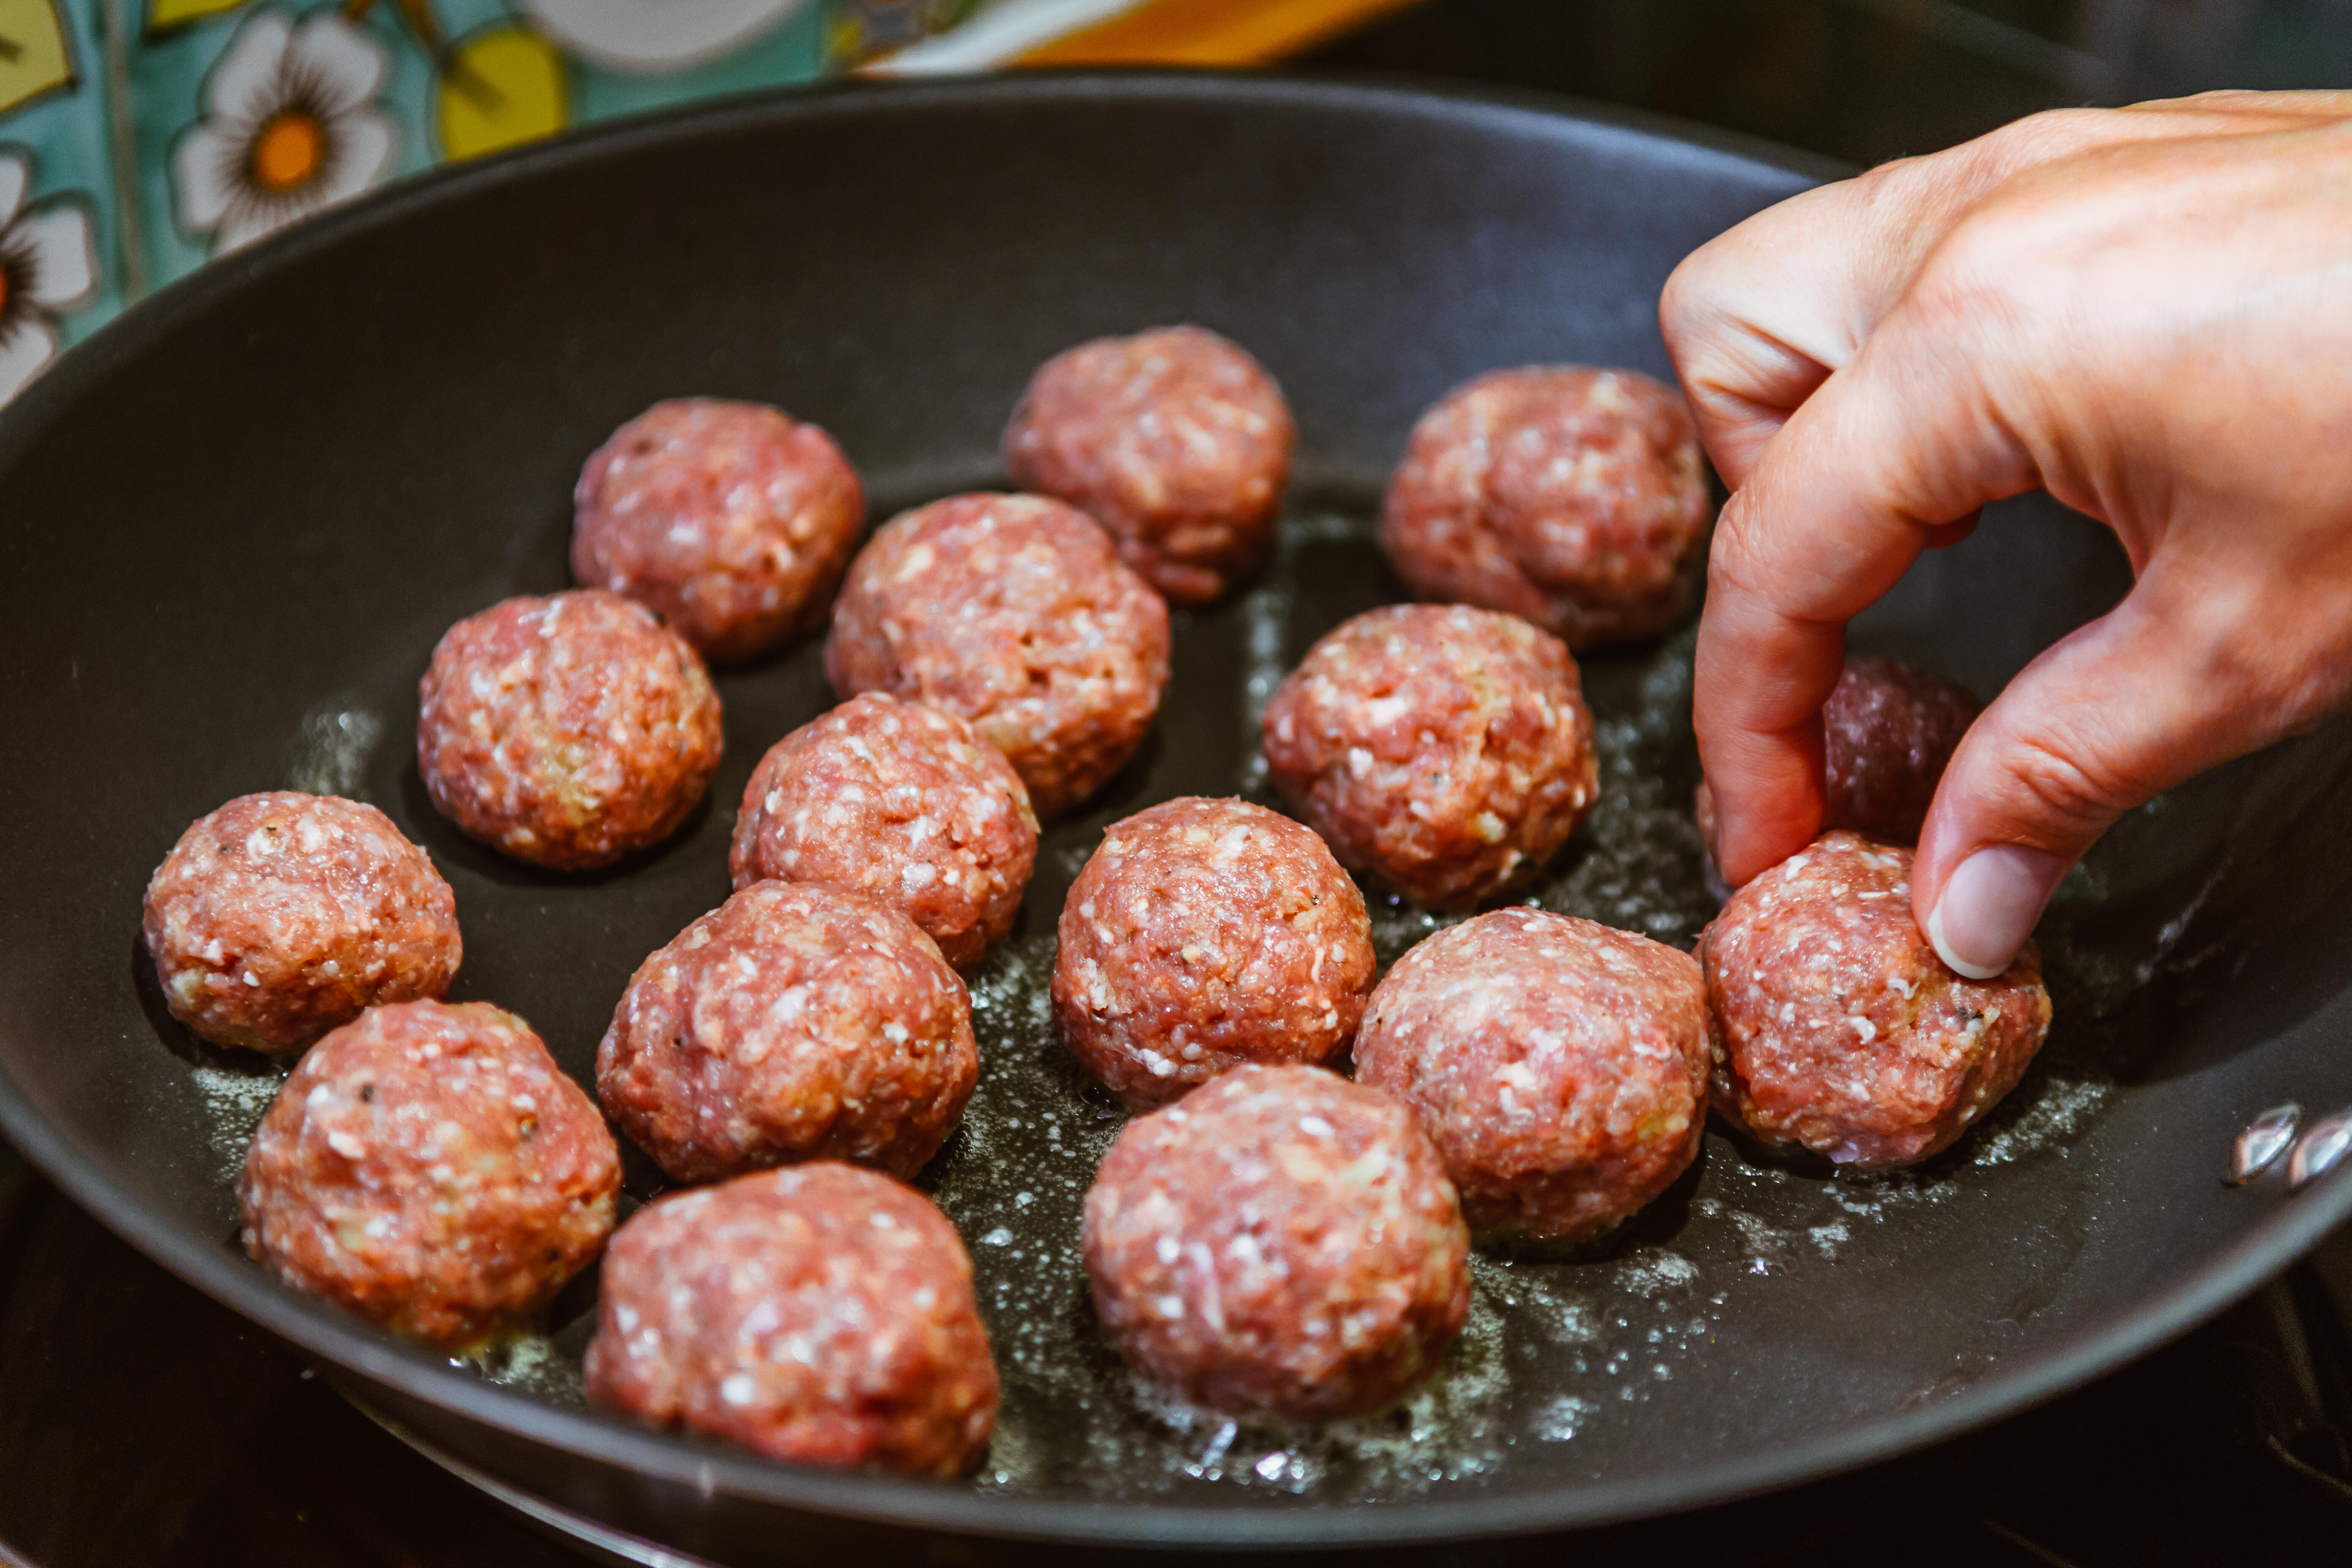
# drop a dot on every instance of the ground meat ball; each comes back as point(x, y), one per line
point(1012, 612)
point(902, 803)
point(1887, 733)
point(280, 916)
point(1175, 440)
point(1840, 1029)
point(431, 1169)
point(1282, 1242)
point(821, 1315)
point(732, 519)
point(1204, 935)
point(1447, 750)
point(1570, 496)
point(1560, 1067)
point(793, 1021)
point(567, 730)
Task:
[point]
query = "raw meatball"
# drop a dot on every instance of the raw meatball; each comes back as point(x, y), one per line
point(1447, 750)
point(1175, 440)
point(1570, 496)
point(1560, 1067)
point(821, 1315)
point(431, 1169)
point(280, 916)
point(567, 730)
point(793, 1021)
point(1841, 1030)
point(732, 519)
point(1204, 935)
point(902, 803)
point(1282, 1242)
point(1887, 733)
point(1012, 612)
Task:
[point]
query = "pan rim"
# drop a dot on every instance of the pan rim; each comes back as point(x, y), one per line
point(2262, 1251)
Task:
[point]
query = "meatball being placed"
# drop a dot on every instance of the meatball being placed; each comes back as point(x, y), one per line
point(1175, 440)
point(1572, 496)
point(732, 519)
point(1560, 1067)
point(1281, 1242)
point(1887, 733)
point(1013, 612)
point(821, 1315)
point(902, 803)
point(793, 1021)
point(1841, 1030)
point(280, 916)
point(430, 1168)
point(1204, 935)
point(1448, 750)
point(566, 730)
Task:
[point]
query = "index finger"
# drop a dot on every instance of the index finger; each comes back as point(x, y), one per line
point(1902, 440)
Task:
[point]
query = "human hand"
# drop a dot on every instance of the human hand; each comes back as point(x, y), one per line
point(2146, 312)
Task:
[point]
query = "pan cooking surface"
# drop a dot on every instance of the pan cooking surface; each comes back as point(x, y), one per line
point(302, 466)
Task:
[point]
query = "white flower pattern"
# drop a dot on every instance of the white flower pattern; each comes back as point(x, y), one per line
point(649, 38)
point(48, 266)
point(289, 125)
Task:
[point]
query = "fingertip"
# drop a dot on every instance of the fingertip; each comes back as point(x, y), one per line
point(1758, 823)
point(1749, 855)
point(1989, 906)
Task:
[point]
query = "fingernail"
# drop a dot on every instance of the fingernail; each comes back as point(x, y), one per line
point(1988, 908)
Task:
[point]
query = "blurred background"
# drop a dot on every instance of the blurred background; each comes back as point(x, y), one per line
point(1863, 81)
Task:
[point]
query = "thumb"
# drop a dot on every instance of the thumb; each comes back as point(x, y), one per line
point(2138, 701)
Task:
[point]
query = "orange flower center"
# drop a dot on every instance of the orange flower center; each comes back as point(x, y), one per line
point(288, 151)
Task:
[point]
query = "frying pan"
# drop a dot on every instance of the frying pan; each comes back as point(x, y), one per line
point(232, 524)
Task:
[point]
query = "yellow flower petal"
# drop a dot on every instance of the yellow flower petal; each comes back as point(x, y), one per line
point(165, 13)
point(38, 63)
point(502, 87)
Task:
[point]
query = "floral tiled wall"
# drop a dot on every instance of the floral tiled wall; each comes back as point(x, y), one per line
point(139, 138)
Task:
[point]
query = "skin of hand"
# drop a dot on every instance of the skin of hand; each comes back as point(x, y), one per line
point(2147, 313)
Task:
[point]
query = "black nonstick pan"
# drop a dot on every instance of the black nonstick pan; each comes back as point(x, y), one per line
point(232, 526)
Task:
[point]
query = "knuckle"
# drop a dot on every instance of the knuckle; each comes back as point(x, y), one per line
point(1954, 300)
point(2048, 133)
point(2025, 221)
point(1731, 554)
point(2225, 100)
point(2003, 267)
point(1893, 198)
point(1963, 175)
point(2059, 781)
point(1984, 251)
point(1893, 181)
